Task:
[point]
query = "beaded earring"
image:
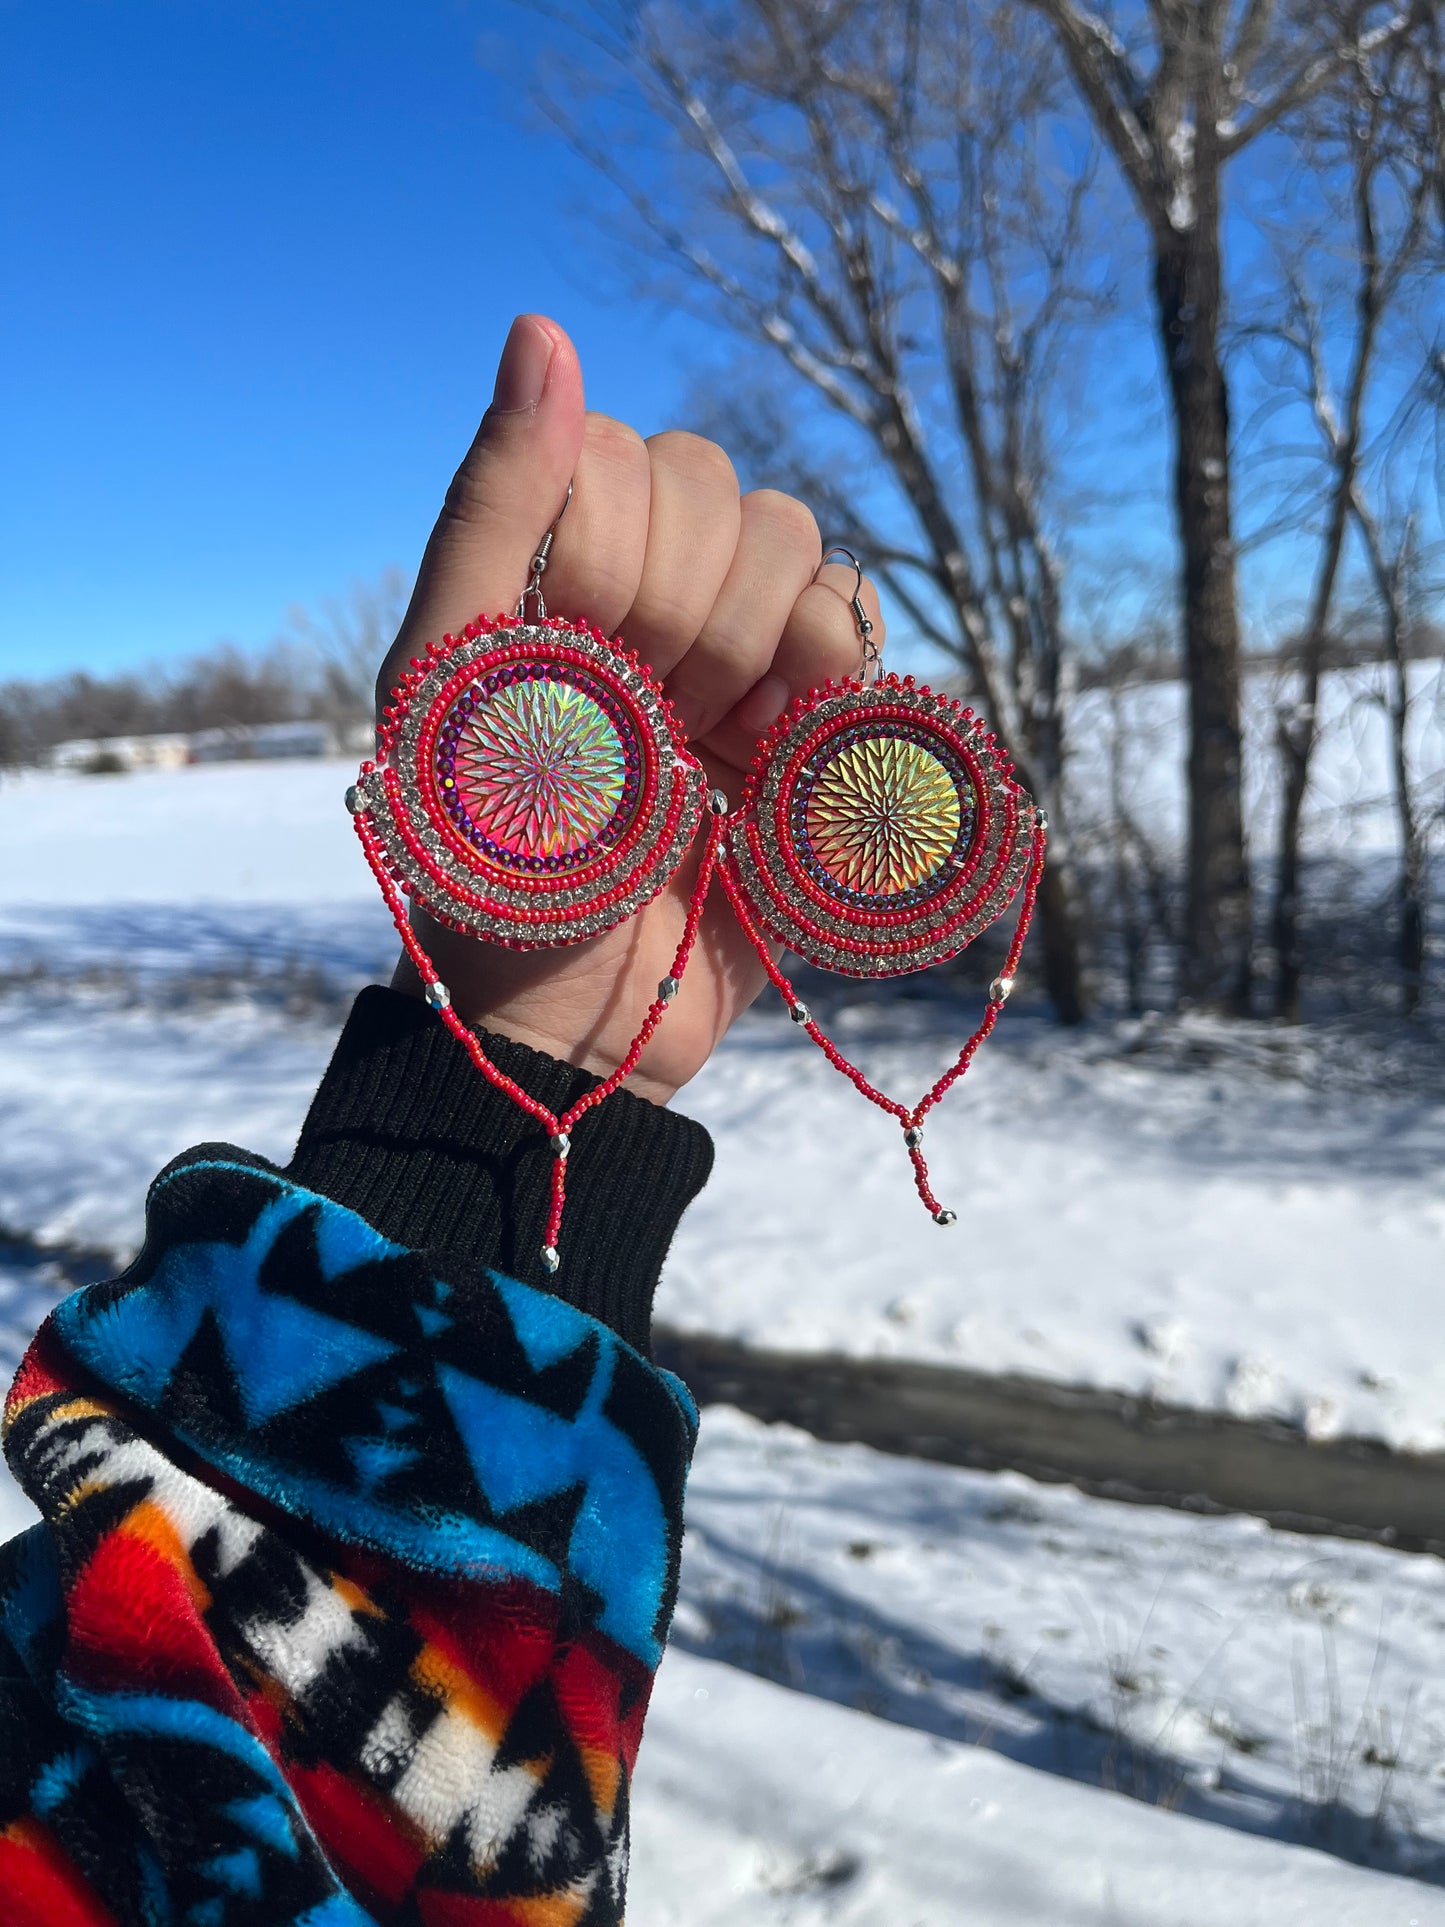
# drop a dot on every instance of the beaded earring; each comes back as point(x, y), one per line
point(532, 786)
point(880, 831)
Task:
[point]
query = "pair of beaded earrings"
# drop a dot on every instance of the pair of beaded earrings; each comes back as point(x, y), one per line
point(532, 786)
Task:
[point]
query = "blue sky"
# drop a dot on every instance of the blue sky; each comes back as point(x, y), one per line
point(259, 257)
point(259, 261)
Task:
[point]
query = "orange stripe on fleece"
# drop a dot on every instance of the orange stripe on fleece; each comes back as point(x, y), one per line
point(438, 1909)
point(603, 1771)
point(154, 1527)
point(446, 1681)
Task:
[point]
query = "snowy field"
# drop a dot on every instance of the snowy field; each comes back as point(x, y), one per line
point(1161, 1209)
point(901, 1693)
point(757, 1807)
point(1348, 805)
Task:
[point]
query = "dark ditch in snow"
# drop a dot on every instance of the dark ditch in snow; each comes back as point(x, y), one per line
point(1111, 1444)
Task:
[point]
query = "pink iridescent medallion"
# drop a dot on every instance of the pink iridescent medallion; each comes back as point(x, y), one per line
point(532, 785)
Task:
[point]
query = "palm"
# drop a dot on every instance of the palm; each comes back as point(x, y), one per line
point(587, 1001)
point(720, 594)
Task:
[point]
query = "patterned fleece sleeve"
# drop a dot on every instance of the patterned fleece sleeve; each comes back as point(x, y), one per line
point(355, 1562)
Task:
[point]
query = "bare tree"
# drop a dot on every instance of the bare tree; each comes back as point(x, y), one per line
point(1394, 567)
point(1379, 138)
point(1177, 89)
point(323, 669)
point(867, 188)
point(347, 636)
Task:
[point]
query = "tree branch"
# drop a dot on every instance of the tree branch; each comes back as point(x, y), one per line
point(1312, 76)
point(1117, 97)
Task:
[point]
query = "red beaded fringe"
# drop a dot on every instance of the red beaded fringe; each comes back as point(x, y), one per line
point(558, 1128)
point(910, 1120)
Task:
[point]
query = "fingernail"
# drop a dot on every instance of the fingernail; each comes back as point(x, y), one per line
point(522, 371)
point(763, 704)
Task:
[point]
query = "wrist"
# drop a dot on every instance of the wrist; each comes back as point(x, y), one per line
point(486, 996)
point(404, 1132)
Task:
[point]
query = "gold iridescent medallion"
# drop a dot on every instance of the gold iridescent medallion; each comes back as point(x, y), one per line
point(881, 829)
point(883, 815)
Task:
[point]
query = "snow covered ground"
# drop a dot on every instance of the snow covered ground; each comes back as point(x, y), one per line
point(902, 1693)
point(1264, 1681)
point(1232, 1236)
point(757, 1807)
point(1349, 806)
point(1222, 1237)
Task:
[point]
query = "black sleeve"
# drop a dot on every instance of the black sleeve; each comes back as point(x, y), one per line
point(407, 1133)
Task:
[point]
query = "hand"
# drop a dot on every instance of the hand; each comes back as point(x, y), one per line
point(717, 592)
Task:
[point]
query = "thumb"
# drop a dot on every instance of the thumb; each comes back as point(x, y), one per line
point(506, 494)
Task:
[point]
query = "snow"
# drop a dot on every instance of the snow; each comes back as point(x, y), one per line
point(89, 1113)
point(1349, 806)
point(1265, 1681)
point(1222, 1238)
point(981, 1660)
point(253, 833)
point(1232, 1237)
point(757, 1807)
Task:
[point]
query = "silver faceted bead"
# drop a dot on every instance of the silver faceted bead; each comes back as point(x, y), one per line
point(798, 1013)
point(550, 1258)
point(437, 994)
point(998, 990)
point(355, 802)
point(913, 1136)
point(717, 802)
point(561, 1143)
point(667, 990)
point(1041, 820)
point(944, 1216)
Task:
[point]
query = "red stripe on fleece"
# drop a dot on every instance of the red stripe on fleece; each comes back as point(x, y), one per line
point(40, 1886)
point(503, 1636)
point(139, 1579)
point(589, 1693)
point(364, 1837)
point(42, 1370)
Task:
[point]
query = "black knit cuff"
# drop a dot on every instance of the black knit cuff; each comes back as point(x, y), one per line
point(406, 1132)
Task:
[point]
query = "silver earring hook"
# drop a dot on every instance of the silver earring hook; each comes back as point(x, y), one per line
point(860, 614)
point(539, 566)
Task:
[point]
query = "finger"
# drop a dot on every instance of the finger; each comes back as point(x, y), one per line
point(692, 533)
point(596, 562)
point(820, 643)
point(776, 557)
point(506, 494)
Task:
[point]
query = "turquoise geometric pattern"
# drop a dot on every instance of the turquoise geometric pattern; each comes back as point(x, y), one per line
point(352, 1570)
point(479, 1422)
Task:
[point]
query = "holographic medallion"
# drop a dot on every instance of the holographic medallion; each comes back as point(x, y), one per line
point(880, 830)
point(532, 785)
point(540, 768)
point(882, 815)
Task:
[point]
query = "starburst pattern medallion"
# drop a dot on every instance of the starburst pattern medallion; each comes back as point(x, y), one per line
point(541, 768)
point(883, 815)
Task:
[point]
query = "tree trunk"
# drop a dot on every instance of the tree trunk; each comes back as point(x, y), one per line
point(1294, 749)
point(1216, 964)
point(1296, 738)
point(1061, 930)
point(1391, 576)
point(1410, 883)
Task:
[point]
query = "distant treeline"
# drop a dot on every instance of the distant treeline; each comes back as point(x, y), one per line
point(320, 670)
point(1130, 663)
point(307, 681)
point(223, 688)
